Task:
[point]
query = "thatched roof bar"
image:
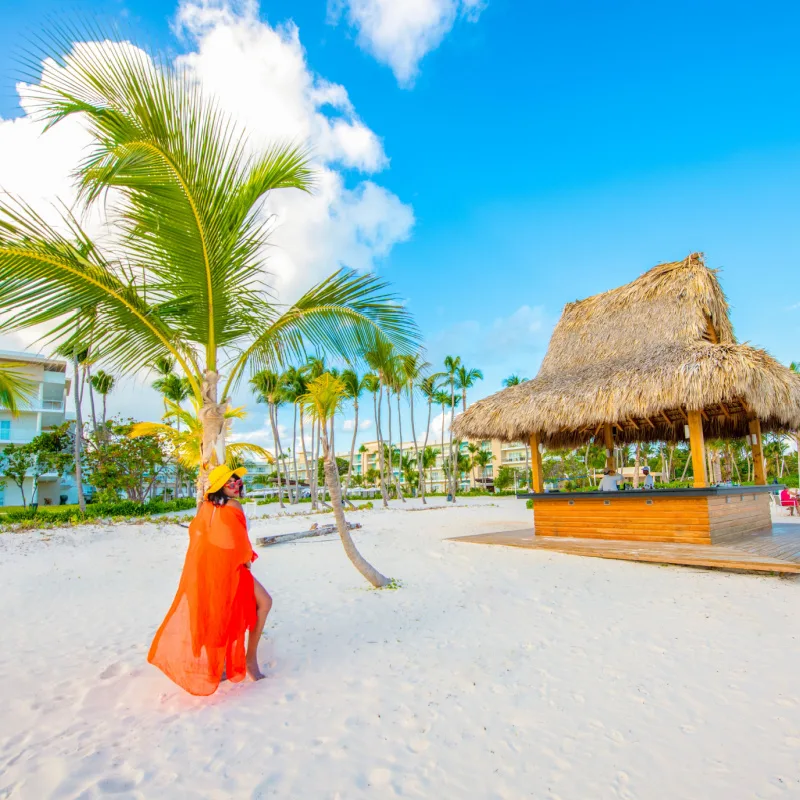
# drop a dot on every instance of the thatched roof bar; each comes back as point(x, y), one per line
point(603, 366)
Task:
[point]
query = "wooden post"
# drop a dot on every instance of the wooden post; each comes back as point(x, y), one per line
point(608, 441)
point(697, 445)
point(759, 468)
point(537, 478)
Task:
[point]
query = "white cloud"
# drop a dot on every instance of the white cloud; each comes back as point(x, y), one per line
point(400, 33)
point(261, 77)
point(363, 424)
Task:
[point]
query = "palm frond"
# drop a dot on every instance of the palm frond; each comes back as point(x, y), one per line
point(344, 315)
point(16, 390)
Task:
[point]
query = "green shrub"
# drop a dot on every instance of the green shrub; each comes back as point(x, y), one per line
point(529, 503)
point(123, 508)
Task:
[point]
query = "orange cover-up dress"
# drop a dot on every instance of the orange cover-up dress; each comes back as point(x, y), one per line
point(204, 630)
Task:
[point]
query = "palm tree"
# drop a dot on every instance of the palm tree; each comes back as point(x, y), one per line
point(16, 390)
point(482, 459)
point(187, 279)
point(380, 358)
point(429, 456)
point(188, 443)
point(268, 389)
point(513, 380)
point(294, 387)
point(451, 366)
point(443, 398)
point(428, 386)
point(465, 379)
point(410, 369)
point(103, 383)
point(354, 386)
point(372, 384)
point(473, 450)
point(322, 401)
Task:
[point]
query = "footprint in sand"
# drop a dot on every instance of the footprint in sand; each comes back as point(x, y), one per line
point(111, 671)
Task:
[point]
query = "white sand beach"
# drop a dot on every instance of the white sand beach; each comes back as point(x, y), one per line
point(492, 672)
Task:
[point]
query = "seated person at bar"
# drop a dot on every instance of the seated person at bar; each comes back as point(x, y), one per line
point(789, 500)
point(609, 481)
point(649, 483)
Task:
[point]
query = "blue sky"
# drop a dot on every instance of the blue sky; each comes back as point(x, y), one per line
point(548, 152)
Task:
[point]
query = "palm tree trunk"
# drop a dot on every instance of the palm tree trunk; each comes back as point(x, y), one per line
point(424, 447)
point(88, 371)
point(271, 408)
point(378, 401)
point(353, 449)
point(413, 429)
point(212, 420)
point(78, 436)
point(305, 452)
point(445, 474)
point(334, 487)
point(636, 464)
point(400, 445)
point(453, 459)
point(294, 456)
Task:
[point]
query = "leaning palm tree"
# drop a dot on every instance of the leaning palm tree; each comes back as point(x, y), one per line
point(16, 390)
point(323, 399)
point(185, 280)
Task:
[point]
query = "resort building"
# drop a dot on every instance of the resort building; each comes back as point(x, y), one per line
point(46, 410)
point(513, 455)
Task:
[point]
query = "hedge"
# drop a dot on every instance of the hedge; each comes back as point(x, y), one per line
point(124, 508)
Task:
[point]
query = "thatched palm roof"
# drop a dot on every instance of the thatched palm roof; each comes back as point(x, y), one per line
point(639, 357)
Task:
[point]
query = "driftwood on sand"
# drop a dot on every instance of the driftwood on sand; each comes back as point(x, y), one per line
point(315, 530)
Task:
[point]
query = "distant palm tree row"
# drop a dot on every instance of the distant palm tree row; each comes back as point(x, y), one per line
point(395, 380)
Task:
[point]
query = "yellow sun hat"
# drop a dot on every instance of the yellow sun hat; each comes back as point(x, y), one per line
point(220, 475)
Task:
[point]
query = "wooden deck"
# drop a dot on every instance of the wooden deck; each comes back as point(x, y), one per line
point(772, 550)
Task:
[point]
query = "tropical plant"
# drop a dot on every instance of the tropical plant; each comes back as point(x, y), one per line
point(482, 459)
point(268, 388)
point(372, 384)
point(16, 390)
point(103, 383)
point(353, 387)
point(428, 386)
point(186, 280)
point(451, 367)
point(187, 443)
point(128, 458)
point(429, 456)
point(294, 387)
point(465, 379)
point(513, 380)
point(325, 395)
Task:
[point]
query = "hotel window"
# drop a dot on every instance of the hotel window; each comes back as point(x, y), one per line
point(5, 430)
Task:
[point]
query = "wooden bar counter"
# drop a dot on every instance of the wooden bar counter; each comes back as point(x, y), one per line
point(712, 515)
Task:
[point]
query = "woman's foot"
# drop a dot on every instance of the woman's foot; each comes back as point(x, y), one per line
point(253, 671)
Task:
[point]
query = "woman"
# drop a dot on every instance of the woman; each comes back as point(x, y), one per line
point(202, 638)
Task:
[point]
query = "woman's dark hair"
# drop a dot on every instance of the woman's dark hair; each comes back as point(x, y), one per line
point(218, 498)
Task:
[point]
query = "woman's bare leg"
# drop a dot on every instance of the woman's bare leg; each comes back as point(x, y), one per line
point(263, 606)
